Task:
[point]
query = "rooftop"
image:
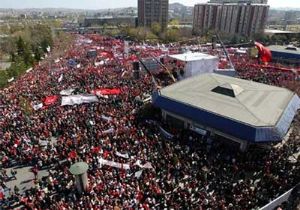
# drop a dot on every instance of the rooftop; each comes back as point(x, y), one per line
point(240, 100)
point(192, 56)
point(284, 49)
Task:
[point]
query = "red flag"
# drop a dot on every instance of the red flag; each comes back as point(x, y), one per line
point(105, 154)
point(17, 142)
point(106, 54)
point(264, 53)
point(1, 196)
point(49, 100)
point(72, 154)
point(96, 150)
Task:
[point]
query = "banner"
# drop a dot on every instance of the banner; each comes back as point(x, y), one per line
point(38, 106)
point(165, 133)
point(113, 164)
point(66, 92)
point(111, 130)
point(60, 78)
point(126, 156)
point(78, 99)
point(106, 91)
point(29, 70)
point(49, 100)
point(11, 79)
point(138, 174)
point(147, 165)
point(106, 118)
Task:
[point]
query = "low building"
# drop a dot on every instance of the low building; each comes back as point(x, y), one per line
point(100, 21)
point(239, 110)
point(285, 54)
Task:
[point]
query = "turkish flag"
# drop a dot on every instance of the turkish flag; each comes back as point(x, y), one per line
point(49, 100)
point(264, 53)
point(96, 150)
point(72, 154)
point(105, 154)
point(1, 196)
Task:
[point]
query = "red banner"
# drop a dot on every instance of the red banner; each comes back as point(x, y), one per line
point(106, 91)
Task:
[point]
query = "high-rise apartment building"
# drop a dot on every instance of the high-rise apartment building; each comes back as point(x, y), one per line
point(232, 18)
point(153, 11)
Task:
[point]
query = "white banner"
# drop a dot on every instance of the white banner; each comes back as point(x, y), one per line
point(29, 70)
point(147, 165)
point(106, 118)
point(138, 174)
point(113, 164)
point(99, 63)
point(60, 78)
point(111, 130)
point(66, 92)
point(126, 156)
point(78, 99)
point(38, 106)
point(11, 79)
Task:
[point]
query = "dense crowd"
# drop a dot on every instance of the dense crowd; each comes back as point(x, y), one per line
point(186, 172)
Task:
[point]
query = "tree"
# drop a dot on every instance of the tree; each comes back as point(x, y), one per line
point(3, 78)
point(156, 28)
point(45, 44)
point(174, 22)
point(20, 46)
point(37, 53)
point(172, 35)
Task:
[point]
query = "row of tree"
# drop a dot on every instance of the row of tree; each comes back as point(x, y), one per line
point(25, 48)
point(156, 34)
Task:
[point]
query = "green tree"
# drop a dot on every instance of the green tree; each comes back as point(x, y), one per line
point(27, 56)
point(156, 28)
point(172, 35)
point(45, 44)
point(20, 46)
point(37, 53)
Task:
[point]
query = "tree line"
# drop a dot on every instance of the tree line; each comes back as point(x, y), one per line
point(25, 47)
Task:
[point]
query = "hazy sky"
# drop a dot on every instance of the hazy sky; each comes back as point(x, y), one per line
point(102, 4)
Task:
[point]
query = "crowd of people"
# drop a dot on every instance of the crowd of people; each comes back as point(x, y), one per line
point(186, 172)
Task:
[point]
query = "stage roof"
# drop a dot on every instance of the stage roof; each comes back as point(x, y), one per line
point(192, 56)
point(213, 96)
point(283, 49)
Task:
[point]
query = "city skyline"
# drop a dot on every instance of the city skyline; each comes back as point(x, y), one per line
point(101, 4)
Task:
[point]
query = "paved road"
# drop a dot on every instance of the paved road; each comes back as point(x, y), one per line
point(24, 179)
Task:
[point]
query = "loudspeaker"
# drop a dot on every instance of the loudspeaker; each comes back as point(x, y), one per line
point(136, 74)
point(162, 60)
point(136, 66)
point(214, 42)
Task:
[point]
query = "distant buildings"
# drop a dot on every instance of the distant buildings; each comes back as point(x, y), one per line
point(231, 18)
point(153, 11)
